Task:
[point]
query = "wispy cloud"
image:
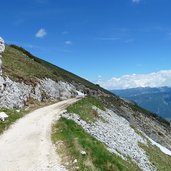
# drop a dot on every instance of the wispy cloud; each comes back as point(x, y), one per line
point(155, 79)
point(65, 32)
point(131, 40)
point(136, 1)
point(108, 38)
point(41, 33)
point(68, 42)
point(123, 35)
point(123, 39)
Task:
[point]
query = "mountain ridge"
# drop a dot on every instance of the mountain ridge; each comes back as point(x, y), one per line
point(156, 100)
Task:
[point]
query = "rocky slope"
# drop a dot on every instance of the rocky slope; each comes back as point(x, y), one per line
point(27, 78)
point(157, 100)
point(118, 134)
point(16, 95)
point(153, 125)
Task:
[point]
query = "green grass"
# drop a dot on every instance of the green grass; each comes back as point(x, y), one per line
point(160, 160)
point(98, 158)
point(18, 66)
point(135, 108)
point(13, 116)
point(21, 65)
point(84, 108)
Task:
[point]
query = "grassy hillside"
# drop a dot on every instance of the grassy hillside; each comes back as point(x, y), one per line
point(161, 161)
point(156, 100)
point(73, 139)
point(84, 108)
point(98, 158)
point(159, 103)
point(19, 64)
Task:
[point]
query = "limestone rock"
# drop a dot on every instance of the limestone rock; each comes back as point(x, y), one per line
point(75, 161)
point(83, 153)
point(3, 116)
point(15, 94)
point(2, 45)
point(2, 48)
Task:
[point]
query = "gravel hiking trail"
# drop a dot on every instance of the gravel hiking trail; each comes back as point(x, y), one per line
point(27, 146)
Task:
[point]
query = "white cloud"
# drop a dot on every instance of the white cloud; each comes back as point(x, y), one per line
point(136, 1)
point(41, 33)
point(68, 42)
point(155, 79)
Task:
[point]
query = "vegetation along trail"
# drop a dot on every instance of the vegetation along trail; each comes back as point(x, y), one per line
point(27, 145)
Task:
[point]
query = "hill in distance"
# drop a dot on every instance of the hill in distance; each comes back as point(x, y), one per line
point(156, 100)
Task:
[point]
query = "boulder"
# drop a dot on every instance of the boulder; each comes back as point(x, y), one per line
point(83, 153)
point(3, 116)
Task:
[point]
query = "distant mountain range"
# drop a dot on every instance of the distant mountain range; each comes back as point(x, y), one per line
point(157, 100)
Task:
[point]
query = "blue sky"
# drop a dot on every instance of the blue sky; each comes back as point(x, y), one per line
point(96, 39)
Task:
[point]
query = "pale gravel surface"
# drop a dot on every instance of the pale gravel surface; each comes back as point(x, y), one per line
point(27, 145)
point(117, 134)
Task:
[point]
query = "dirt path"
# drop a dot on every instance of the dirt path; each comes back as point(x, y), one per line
point(27, 145)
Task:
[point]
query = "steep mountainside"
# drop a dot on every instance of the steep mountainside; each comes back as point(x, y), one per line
point(157, 100)
point(107, 122)
point(19, 64)
point(28, 78)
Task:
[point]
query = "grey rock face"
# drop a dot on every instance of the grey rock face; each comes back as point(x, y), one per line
point(155, 129)
point(2, 48)
point(117, 134)
point(2, 45)
point(15, 95)
point(59, 89)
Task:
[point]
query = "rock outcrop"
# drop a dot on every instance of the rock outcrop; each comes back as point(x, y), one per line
point(2, 48)
point(16, 94)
